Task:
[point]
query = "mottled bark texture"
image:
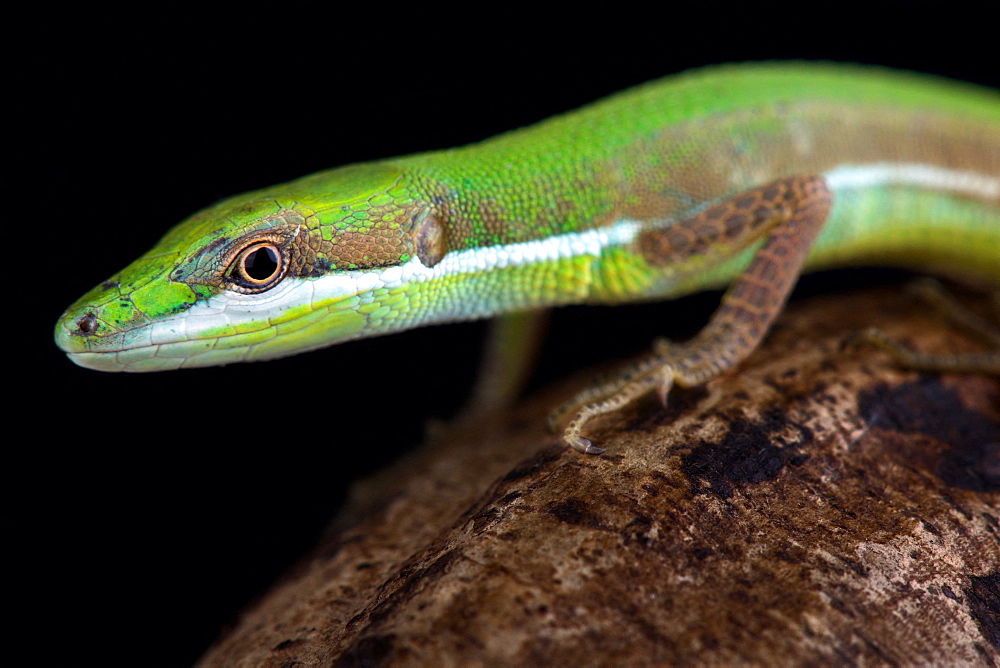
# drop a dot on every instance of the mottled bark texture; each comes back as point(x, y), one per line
point(818, 506)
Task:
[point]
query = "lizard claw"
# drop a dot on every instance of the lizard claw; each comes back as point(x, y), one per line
point(583, 445)
point(665, 385)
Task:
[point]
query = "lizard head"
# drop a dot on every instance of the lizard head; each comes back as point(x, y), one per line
point(262, 275)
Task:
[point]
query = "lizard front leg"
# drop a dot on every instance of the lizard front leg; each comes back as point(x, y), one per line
point(787, 214)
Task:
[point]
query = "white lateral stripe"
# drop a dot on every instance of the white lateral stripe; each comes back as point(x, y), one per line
point(560, 246)
point(848, 177)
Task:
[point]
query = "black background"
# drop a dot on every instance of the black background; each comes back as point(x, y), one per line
point(152, 507)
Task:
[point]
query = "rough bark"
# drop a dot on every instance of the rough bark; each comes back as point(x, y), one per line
point(819, 506)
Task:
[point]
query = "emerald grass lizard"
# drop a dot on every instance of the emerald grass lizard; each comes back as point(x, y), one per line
point(740, 175)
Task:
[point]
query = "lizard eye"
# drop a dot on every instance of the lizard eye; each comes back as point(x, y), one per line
point(258, 267)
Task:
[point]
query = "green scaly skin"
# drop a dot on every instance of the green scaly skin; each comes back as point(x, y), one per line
point(644, 158)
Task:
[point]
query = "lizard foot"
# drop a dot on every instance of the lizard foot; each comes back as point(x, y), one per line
point(633, 381)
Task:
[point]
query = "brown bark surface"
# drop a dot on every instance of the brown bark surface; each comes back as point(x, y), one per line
point(820, 505)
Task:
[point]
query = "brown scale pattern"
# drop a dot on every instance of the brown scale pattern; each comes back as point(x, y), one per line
point(357, 246)
point(791, 212)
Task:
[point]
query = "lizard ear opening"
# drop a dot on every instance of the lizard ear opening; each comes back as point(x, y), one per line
point(430, 238)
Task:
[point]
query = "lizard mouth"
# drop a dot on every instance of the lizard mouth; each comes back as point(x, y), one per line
point(227, 328)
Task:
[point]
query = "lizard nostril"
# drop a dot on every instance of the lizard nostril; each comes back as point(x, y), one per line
point(86, 324)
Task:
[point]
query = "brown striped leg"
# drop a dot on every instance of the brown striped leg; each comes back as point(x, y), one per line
point(788, 214)
point(934, 294)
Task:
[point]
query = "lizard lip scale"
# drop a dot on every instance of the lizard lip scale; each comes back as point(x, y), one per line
point(741, 176)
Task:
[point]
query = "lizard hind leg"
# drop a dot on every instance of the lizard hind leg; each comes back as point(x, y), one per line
point(787, 214)
point(933, 293)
